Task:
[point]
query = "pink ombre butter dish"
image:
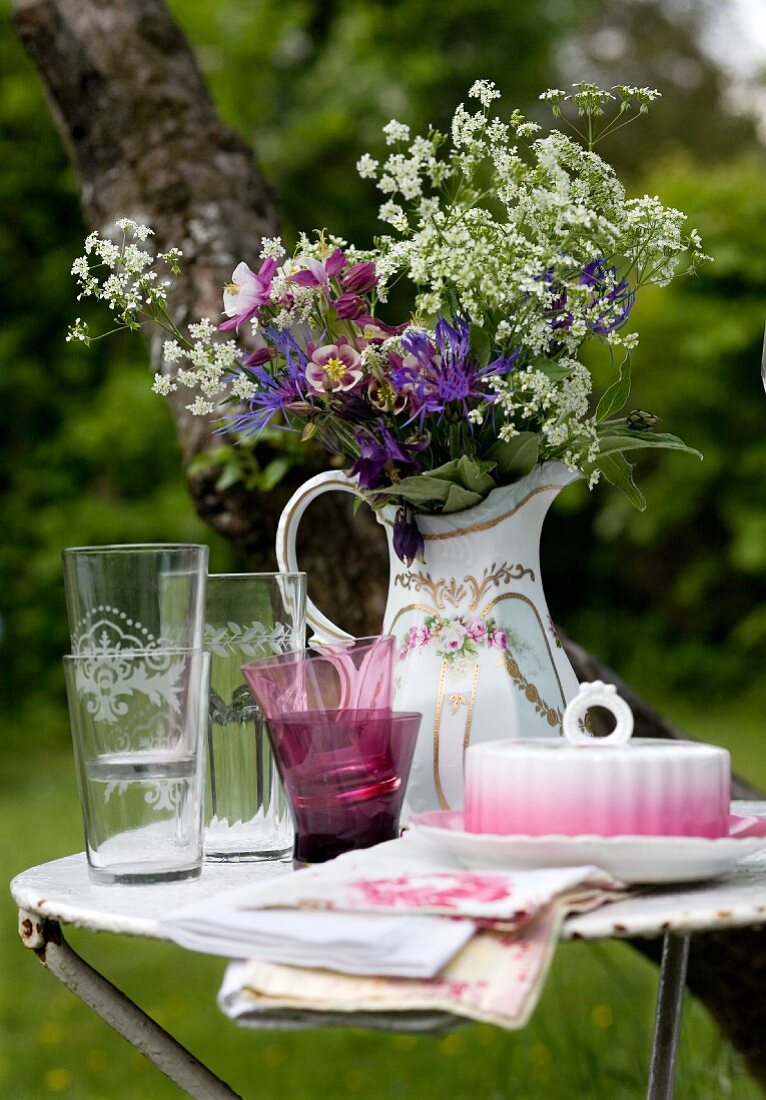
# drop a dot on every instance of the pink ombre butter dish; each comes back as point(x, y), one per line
point(579, 785)
point(646, 811)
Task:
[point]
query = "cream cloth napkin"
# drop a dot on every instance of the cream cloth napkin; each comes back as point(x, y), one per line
point(396, 936)
point(497, 978)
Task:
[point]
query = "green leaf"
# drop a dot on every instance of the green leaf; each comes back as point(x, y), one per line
point(459, 498)
point(619, 472)
point(470, 473)
point(205, 460)
point(458, 484)
point(517, 456)
point(274, 472)
point(480, 345)
point(420, 490)
point(617, 394)
point(229, 476)
point(615, 440)
point(550, 368)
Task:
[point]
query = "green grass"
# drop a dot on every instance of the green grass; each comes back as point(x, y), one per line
point(590, 1037)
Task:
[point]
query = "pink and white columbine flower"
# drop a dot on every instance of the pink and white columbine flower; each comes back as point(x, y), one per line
point(317, 272)
point(247, 292)
point(334, 367)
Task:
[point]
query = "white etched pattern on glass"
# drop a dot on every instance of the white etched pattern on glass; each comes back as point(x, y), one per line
point(253, 640)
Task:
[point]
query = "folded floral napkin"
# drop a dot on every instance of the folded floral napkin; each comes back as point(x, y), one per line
point(398, 935)
point(355, 943)
point(497, 977)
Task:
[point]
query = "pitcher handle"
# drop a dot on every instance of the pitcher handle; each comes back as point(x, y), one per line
point(287, 555)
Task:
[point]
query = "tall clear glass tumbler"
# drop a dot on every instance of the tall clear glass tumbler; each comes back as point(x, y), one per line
point(248, 616)
point(139, 721)
point(135, 597)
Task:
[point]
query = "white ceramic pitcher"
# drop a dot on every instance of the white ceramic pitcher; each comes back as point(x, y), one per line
point(477, 653)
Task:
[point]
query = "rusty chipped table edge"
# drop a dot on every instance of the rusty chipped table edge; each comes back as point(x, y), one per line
point(62, 891)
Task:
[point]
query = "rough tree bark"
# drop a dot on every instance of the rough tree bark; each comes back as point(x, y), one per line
point(146, 142)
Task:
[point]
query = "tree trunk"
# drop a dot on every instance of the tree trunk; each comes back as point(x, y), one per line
point(146, 142)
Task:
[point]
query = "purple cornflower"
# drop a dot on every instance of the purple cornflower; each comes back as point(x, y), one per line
point(437, 374)
point(612, 301)
point(378, 454)
point(277, 393)
point(610, 304)
point(557, 305)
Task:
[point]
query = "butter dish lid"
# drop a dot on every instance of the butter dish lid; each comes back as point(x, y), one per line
point(577, 737)
point(593, 747)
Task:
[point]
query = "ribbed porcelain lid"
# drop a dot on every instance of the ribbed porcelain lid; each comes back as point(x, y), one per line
point(636, 747)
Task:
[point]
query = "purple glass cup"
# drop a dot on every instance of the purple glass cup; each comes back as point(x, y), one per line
point(344, 774)
point(353, 675)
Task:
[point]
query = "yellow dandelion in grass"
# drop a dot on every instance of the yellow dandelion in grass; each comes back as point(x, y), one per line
point(51, 1032)
point(486, 1035)
point(602, 1016)
point(452, 1044)
point(540, 1055)
point(405, 1042)
point(97, 1060)
point(541, 1058)
point(57, 1079)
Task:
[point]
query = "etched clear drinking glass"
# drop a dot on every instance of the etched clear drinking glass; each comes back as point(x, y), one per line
point(139, 719)
point(135, 597)
point(248, 616)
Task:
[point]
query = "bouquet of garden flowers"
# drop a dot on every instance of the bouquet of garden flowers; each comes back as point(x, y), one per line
point(519, 246)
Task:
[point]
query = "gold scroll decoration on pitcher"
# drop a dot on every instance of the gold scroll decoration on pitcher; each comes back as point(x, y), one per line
point(553, 715)
point(448, 590)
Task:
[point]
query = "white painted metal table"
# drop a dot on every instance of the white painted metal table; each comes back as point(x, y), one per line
point(61, 893)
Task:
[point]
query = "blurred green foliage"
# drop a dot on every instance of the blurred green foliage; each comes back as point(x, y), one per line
point(311, 82)
point(674, 597)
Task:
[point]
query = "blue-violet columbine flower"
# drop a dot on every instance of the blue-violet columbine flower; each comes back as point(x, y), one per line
point(379, 454)
point(408, 541)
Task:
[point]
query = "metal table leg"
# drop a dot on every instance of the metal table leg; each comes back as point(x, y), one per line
point(45, 938)
point(667, 1021)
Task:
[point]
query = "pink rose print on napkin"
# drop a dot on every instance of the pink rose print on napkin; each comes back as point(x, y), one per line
point(443, 892)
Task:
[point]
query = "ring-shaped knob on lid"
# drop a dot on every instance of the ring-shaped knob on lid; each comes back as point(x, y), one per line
point(597, 694)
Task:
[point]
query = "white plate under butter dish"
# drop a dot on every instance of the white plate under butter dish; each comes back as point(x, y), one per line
point(633, 859)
